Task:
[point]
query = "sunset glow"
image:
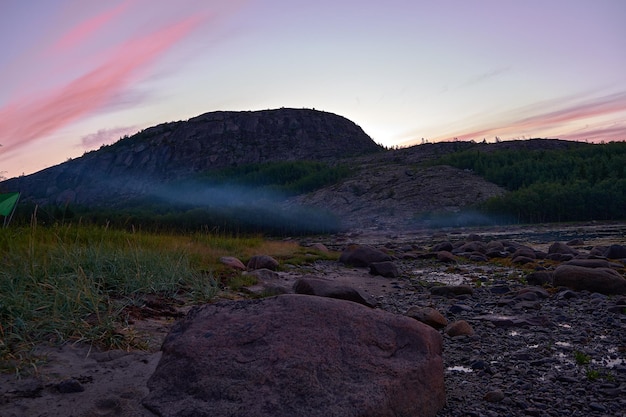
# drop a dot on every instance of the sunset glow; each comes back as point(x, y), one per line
point(86, 73)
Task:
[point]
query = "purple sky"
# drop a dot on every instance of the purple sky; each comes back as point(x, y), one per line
point(77, 74)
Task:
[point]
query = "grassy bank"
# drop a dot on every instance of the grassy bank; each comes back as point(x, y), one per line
point(71, 283)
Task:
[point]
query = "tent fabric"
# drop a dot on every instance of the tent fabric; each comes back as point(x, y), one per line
point(7, 202)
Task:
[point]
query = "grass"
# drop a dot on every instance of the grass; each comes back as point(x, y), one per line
point(581, 358)
point(72, 283)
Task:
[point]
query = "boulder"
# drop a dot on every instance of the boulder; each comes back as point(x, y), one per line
point(616, 252)
point(593, 263)
point(459, 328)
point(451, 290)
point(268, 283)
point(263, 262)
point(362, 255)
point(297, 355)
point(443, 246)
point(428, 315)
point(540, 278)
point(445, 256)
point(233, 262)
point(602, 280)
point(386, 269)
point(326, 288)
point(562, 249)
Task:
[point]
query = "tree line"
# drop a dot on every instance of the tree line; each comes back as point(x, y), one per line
point(581, 182)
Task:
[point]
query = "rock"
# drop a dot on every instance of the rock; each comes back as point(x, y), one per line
point(362, 256)
point(320, 247)
point(447, 257)
point(268, 283)
point(451, 290)
point(70, 386)
point(474, 246)
point(562, 248)
point(459, 328)
point(602, 280)
point(263, 262)
point(326, 288)
point(560, 257)
point(296, 355)
point(494, 396)
point(575, 242)
point(592, 263)
point(540, 278)
point(443, 246)
point(522, 260)
point(525, 252)
point(616, 252)
point(233, 262)
point(428, 315)
point(386, 269)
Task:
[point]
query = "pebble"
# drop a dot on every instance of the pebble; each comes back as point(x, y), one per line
point(524, 344)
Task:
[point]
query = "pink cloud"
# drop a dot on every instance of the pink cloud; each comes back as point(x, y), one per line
point(106, 136)
point(24, 121)
point(83, 31)
point(559, 119)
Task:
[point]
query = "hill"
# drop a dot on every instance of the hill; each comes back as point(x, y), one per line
point(299, 170)
point(136, 165)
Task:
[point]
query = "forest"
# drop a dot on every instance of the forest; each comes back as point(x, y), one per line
point(583, 182)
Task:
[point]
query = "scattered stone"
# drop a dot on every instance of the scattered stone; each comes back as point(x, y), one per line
point(297, 355)
point(263, 261)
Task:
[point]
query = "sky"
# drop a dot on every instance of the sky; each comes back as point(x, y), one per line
point(79, 74)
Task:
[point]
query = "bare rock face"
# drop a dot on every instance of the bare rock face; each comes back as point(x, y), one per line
point(298, 355)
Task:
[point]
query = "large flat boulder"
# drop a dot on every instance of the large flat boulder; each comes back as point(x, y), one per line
point(602, 280)
point(298, 355)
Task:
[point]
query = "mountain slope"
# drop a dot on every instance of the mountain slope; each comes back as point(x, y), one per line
point(134, 166)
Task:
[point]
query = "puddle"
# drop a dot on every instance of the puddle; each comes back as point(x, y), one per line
point(441, 277)
point(459, 369)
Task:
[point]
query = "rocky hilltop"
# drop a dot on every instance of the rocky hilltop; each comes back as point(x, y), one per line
point(388, 189)
point(174, 150)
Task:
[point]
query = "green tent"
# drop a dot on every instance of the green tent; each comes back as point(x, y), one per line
point(8, 202)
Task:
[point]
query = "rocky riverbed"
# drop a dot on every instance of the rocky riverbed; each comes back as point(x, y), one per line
point(515, 344)
point(533, 350)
